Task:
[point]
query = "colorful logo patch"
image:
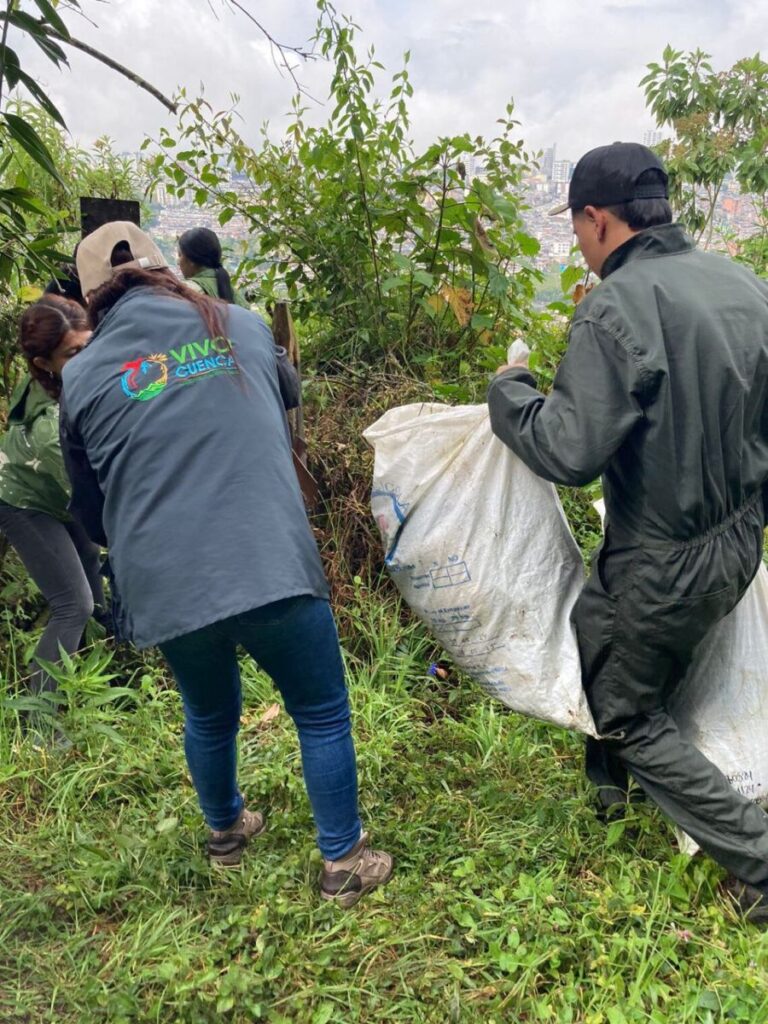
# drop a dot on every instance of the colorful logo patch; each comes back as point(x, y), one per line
point(144, 378)
point(147, 376)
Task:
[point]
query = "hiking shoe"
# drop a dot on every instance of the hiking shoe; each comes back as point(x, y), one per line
point(226, 848)
point(347, 879)
point(751, 902)
point(43, 733)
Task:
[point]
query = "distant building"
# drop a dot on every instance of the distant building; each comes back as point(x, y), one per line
point(653, 138)
point(562, 171)
point(561, 248)
point(475, 169)
point(548, 158)
point(536, 183)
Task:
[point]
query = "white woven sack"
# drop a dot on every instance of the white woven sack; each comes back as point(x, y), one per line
point(481, 551)
point(722, 704)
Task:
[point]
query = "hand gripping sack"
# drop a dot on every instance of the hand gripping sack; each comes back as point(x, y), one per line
point(480, 550)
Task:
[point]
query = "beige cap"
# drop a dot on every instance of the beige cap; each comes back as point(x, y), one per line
point(94, 253)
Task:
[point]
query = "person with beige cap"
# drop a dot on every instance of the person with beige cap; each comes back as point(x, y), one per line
point(94, 256)
point(175, 437)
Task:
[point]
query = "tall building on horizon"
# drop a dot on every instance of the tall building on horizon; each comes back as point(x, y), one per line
point(562, 171)
point(653, 137)
point(548, 160)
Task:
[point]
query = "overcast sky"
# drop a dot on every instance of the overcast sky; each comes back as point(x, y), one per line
point(572, 68)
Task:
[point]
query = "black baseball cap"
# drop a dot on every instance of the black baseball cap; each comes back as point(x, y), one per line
point(608, 176)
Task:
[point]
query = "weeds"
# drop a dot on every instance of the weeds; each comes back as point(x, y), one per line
point(509, 902)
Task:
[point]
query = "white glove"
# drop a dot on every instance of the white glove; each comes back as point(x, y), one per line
point(518, 353)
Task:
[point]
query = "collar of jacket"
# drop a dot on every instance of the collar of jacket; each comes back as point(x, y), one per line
point(29, 400)
point(129, 296)
point(663, 240)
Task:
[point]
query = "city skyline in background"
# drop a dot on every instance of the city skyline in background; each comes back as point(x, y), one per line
point(542, 189)
point(560, 169)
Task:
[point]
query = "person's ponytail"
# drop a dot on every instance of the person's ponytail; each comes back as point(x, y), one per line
point(202, 247)
point(224, 284)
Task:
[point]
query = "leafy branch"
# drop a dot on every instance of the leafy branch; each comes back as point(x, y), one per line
point(719, 124)
point(396, 258)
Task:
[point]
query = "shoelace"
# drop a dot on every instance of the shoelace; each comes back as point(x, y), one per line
point(375, 858)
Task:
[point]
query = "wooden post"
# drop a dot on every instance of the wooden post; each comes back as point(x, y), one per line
point(284, 334)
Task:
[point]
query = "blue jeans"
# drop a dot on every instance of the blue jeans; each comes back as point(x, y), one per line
point(296, 643)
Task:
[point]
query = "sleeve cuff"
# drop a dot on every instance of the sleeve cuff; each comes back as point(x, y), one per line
point(517, 373)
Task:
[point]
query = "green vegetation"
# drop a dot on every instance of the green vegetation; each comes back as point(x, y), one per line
point(509, 902)
point(42, 174)
point(31, 220)
point(720, 125)
point(402, 259)
point(95, 172)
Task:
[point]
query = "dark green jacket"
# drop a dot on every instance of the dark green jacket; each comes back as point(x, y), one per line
point(206, 282)
point(663, 390)
point(32, 471)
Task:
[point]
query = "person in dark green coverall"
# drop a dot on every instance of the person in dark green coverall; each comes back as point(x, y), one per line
point(663, 391)
point(199, 261)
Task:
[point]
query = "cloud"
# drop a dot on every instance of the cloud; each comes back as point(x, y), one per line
point(573, 70)
point(173, 43)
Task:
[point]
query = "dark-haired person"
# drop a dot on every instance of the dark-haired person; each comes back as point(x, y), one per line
point(34, 489)
point(176, 440)
point(66, 284)
point(663, 391)
point(199, 260)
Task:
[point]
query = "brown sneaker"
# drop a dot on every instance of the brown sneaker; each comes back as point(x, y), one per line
point(347, 879)
point(226, 848)
point(751, 902)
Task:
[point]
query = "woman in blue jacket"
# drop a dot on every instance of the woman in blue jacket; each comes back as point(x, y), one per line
point(176, 441)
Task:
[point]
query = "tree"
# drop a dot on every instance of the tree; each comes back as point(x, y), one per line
point(720, 125)
point(394, 256)
point(30, 228)
point(22, 254)
point(95, 172)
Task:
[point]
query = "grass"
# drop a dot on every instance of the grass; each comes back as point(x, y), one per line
point(509, 902)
